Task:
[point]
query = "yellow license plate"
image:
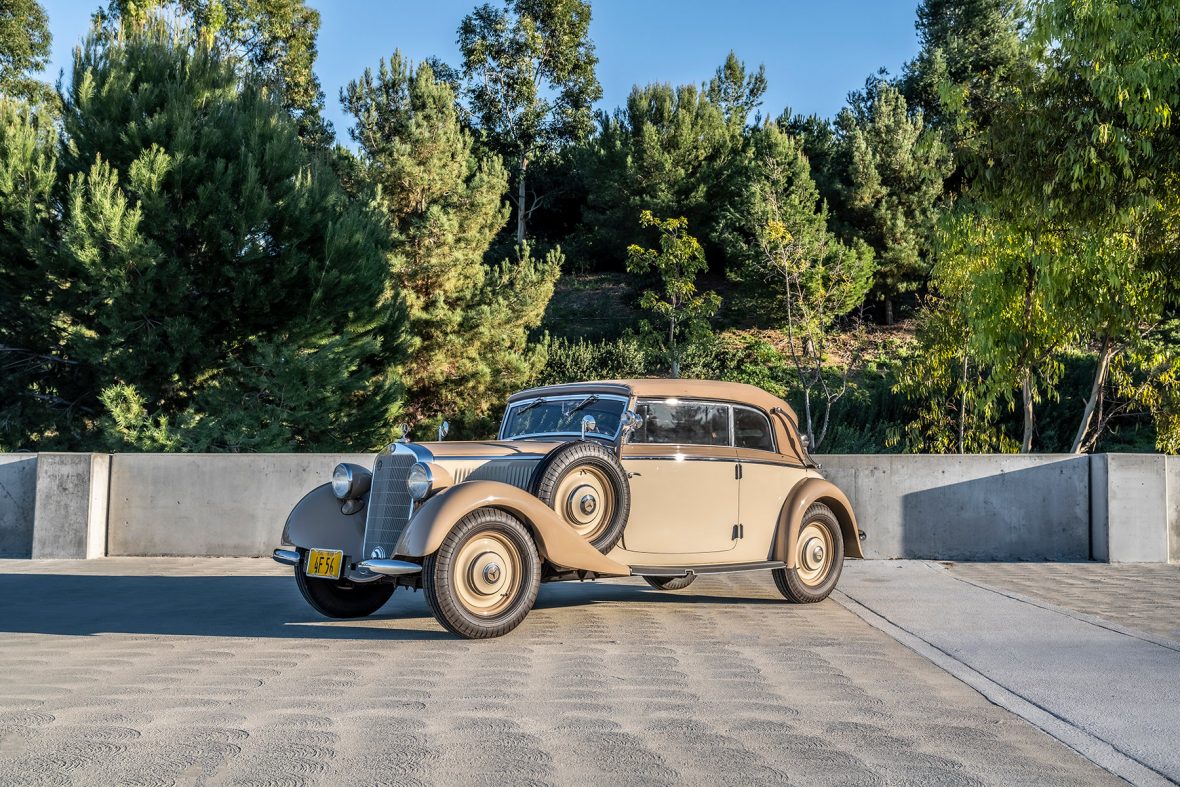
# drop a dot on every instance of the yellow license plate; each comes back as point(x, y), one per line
point(324, 563)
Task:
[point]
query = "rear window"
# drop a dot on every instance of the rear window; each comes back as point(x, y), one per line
point(686, 423)
point(751, 429)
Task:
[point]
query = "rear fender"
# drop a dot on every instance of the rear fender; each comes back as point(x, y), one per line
point(790, 522)
point(316, 522)
point(556, 541)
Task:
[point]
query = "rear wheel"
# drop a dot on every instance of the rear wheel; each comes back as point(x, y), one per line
point(341, 598)
point(587, 487)
point(819, 558)
point(670, 583)
point(483, 580)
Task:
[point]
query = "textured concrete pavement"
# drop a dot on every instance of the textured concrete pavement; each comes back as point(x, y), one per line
point(1142, 596)
point(160, 671)
point(1107, 690)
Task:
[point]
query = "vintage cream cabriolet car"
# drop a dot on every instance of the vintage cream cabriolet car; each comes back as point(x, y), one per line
point(661, 479)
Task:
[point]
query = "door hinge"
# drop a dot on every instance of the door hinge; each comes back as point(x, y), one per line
point(737, 470)
point(739, 531)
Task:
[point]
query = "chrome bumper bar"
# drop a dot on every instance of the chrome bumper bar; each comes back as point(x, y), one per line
point(390, 568)
point(288, 557)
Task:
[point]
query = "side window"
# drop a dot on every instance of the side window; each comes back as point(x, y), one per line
point(751, 430)
point(687, 423)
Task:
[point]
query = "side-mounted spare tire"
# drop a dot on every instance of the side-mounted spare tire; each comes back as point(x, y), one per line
point(587, 487)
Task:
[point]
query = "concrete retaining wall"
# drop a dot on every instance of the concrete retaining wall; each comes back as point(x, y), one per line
point(1115, 507)
point(210, 504)
point(18, 498)
point(980, 507)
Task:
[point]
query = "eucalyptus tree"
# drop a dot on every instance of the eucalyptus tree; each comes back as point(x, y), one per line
point(24, 48)
point(529, 76)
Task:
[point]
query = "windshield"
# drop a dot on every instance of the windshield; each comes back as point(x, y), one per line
point(562, 415)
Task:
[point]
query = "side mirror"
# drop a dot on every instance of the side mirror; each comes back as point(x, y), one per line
point(632, 421)
point(588, 425)
point(805, 441)
point(443, 428)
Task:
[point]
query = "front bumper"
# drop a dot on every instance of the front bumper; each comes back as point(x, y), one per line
point(288, 557)
point(388, 568)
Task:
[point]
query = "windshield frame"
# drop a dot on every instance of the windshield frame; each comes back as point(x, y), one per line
point(576, 397)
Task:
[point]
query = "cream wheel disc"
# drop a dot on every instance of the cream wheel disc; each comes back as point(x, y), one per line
point(813, 560)
point(488, 573)
point(586, 500)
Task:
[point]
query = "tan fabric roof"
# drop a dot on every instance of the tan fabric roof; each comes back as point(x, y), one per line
point(668, 388)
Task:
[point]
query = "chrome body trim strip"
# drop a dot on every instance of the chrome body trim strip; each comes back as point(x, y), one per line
point(689, 458)
point(288, 557)
point(390, 568)
point(719, 568)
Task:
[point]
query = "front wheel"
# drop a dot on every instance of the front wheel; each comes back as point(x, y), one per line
point(819, 558)
point(483, 580)
point(341, 599)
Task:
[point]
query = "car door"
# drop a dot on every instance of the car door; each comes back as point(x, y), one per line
point(683, 476)
point(766, 478)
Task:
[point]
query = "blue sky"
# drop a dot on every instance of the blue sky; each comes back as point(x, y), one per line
point(814, 52)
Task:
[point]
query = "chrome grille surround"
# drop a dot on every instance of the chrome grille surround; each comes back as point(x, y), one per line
point(390, 505)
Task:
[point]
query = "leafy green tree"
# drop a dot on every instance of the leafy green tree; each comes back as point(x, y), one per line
point(893, 177)
point(815, 279)
point(24, 48)
point(529, 74)
point(679, 259)
point(444, 204)
point(274, 39)
point(225, 294)
point(1080, 155)
point(32, 368)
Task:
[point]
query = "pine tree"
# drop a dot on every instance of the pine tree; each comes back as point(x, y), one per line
point(893, 169)
point(226, 294)
point(273, 41)
point(444, 204)
point(31, 366)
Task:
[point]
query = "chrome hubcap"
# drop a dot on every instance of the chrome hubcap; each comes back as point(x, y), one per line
point(491, 573)
point(814, 556)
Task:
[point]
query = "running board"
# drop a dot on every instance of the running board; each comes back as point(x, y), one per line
point(716, 568)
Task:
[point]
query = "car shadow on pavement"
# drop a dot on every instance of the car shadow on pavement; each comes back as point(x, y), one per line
point(252, 606)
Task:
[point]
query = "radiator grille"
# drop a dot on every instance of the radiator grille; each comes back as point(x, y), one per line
point(390, 504)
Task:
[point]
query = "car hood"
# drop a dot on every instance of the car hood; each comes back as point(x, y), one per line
point(488, 449)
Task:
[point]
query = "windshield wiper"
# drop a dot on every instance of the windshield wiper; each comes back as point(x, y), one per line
point(531, 405)
point(591, 399)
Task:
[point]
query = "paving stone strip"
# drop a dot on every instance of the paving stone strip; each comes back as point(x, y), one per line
point(214, 671)
point(1105, 690)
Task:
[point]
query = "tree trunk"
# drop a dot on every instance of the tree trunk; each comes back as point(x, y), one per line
point(1026, 392)
point(520, 198)
point(1104, 357)
point(963, 406)
point(888, 310)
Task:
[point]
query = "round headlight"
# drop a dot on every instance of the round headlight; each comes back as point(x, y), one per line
point(420, 481)
point(342, 482)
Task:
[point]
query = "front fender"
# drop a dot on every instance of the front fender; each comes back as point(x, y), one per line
point(790, 522)
point(316, 521)
point(556, 541)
